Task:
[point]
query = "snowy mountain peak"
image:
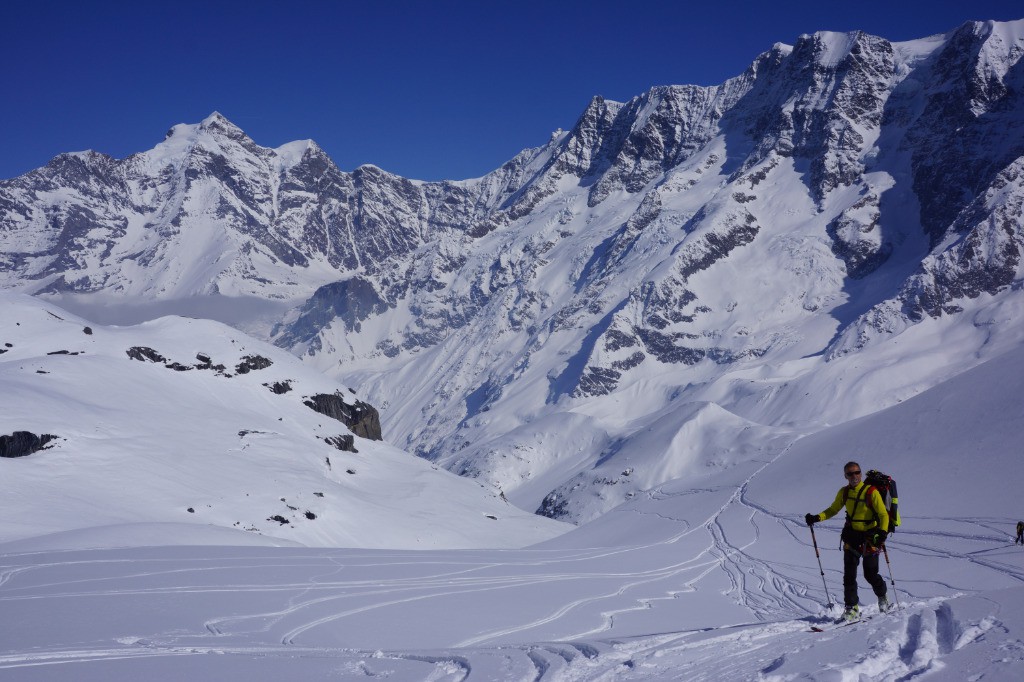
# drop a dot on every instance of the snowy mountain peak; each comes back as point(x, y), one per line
point(218, 123)
point(713, 246)
point(830, 48)
point(292, 153)
point(214, 124)
point(187, 144)
point(88, 160)
point(1002, 47)
point(216, 119)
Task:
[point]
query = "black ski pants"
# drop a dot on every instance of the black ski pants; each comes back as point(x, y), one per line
point(850, 561)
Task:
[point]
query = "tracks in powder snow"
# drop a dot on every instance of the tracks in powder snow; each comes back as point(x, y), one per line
point(542, 614)
point(899, 646)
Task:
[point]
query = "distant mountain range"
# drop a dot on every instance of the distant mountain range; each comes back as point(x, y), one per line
point(673, 285)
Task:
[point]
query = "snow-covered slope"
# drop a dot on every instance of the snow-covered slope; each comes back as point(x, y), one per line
point(709, 580)
point(186, 421)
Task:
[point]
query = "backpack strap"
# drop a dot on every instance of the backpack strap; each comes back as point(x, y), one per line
point(868, 489)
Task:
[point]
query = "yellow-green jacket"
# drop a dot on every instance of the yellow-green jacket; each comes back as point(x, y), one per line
point(865, 514)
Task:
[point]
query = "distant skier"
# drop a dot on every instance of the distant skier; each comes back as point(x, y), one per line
point(863, 536)
point(1020, 533)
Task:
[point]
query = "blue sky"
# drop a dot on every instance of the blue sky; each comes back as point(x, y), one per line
point(429, 90)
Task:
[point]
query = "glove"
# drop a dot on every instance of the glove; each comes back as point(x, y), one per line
point(878, 538)
point(811, 519)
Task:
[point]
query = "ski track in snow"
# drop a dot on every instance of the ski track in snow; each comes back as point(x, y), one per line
point(902, 646)
point(269, 605)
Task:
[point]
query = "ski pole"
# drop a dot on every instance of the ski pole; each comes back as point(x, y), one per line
point(817, 554)
point(891, 579)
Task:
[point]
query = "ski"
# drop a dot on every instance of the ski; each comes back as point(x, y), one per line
point(840, 624)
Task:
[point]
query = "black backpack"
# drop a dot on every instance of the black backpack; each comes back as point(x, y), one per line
point(886, 487)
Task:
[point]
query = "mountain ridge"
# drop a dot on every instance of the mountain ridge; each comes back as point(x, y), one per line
point(813, 209)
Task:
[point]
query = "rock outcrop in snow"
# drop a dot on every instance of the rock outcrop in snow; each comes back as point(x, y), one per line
point(23, 443)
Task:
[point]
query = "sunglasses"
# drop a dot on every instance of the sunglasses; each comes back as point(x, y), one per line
point(851, 474)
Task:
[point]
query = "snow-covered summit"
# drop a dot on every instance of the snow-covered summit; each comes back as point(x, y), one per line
point(291, 154)
point(679, 262)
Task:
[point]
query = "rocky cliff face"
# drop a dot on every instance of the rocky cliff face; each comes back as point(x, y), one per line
point(264, 222)
point(840, 191)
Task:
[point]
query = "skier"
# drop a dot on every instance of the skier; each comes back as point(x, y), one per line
point(863, 536)
point(1020, 533)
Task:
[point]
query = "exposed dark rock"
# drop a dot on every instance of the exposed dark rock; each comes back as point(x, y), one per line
point(740, 228)
point(280, 387)
point(22, 443)
point(350, 301)
point(554, 506)
point(88, 331)
point(178, 367)
point(629, 363)
point(280, 519)
point(252, 362)
point(143, 353)
point(361, 418)
point(856, 239)
point(615, 339)
point(597, 381)
point(935, 289)
point(310, 515)
point(953, 158)
point(663, 346)
point(346, 443)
